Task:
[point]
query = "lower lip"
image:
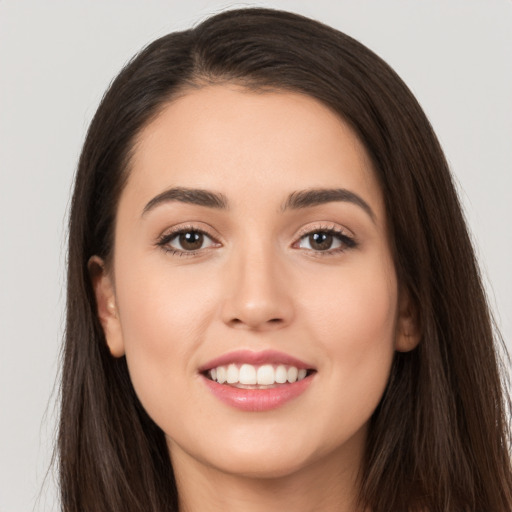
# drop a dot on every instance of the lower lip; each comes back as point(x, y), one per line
point(258, 400)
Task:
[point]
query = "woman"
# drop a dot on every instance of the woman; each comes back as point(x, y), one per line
point(273, 302)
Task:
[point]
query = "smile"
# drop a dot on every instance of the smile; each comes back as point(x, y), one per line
point(256, 377)
point(257, 381)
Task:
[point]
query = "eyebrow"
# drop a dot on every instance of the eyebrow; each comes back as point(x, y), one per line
point(317, 196)
point(296, 200)
point(189, 195)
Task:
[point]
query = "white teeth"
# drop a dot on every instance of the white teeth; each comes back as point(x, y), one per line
point(250, 375)
point(221, 374)
point(281, 374)
point(292, 374)
point(232, 374)
point(266, 375)
point(247, 374)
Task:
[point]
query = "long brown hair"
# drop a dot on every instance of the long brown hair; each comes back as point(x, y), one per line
point(439, 439)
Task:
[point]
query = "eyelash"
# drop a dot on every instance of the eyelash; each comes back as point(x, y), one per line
point(347, 242)
point(164, 240)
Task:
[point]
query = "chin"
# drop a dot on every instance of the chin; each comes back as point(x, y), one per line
point(262, 466)
point(280, 456)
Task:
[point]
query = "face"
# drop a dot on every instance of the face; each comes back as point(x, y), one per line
point(253, 291)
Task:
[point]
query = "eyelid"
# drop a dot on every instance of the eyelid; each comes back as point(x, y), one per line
point(168, 235)
point(347, 239)
point(325, 226)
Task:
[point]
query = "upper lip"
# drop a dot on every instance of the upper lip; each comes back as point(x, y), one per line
point(255, 358)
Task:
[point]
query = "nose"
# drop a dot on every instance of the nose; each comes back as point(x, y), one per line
point(259, 294)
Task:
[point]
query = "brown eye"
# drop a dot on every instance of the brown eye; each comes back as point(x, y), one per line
point(328, 241)
point(320, 241)
point(191, 241)
point(187, 241)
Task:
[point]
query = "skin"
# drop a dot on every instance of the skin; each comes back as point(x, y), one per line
point(257, 285)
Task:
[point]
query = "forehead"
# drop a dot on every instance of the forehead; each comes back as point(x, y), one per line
point(228, 139)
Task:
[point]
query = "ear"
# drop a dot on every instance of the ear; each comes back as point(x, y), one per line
point(407, 328)
point(106, 304)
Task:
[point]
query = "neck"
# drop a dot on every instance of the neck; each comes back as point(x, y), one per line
point(325, 484)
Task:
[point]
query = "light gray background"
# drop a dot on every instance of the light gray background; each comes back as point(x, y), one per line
point(57, 58)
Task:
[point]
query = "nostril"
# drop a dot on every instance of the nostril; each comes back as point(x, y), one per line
point(237, 322)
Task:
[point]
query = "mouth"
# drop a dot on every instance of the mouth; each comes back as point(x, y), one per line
point(249, 376)
point(257, 381)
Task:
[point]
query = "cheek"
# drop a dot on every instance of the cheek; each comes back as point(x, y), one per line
point(365, 319)
point(159, 304)
point(164, 316)
point(354, 323)
point(354, 301)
